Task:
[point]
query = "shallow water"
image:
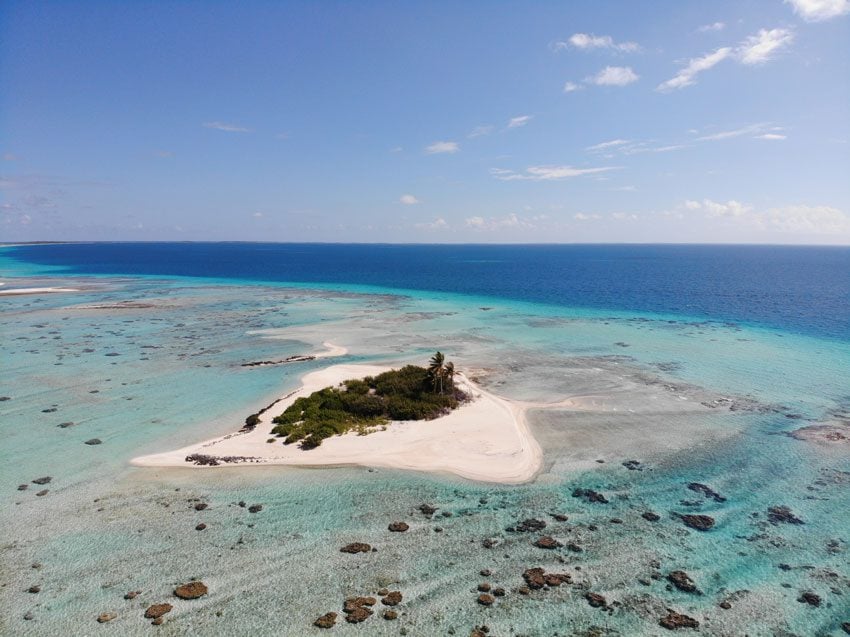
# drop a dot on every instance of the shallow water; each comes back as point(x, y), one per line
point(640, 381)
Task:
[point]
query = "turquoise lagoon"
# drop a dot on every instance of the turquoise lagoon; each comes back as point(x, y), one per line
point(148, 363)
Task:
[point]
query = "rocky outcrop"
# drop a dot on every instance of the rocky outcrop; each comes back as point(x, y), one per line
point(106, 617)
point(44, 480)
point(192, 590)
point(650, 516)
point(427, 509)
point(93, 441)
point(255, 508)
point(398, 527)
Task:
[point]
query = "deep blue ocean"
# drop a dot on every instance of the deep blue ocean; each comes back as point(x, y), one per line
point(801, 289)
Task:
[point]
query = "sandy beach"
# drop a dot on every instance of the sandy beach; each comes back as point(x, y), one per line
point(486, 439)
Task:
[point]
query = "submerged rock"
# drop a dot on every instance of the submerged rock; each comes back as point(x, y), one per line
point(326, 621)
point(707, 491)
point(393, 598)
point(782, 514)
point(537, 578)
point(255, 508)
point(132, 594)
point(674, 620)
point(156, 611)
point(596, 600)
point(531, 524)
point(106, 617)
point(547, 542)
point(192, 590)
point(356, 547)
point(698, 522)
point(650, 516)
point(44, 480)
point(93, 441)
point(390, 615)
point(590, 495)
point(398, 527)
point(809, 598)
point(682, 581)
point(427, 509)
point(485, 600)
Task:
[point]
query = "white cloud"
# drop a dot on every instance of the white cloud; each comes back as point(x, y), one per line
point(614, 76)
point(606, 145)
point(731, 208)
point(580, 216)
point(569, 87)
point(714, 26)
point(546, 173)
point(521, 120)
point(799, 219)
point(807, 219)
point(695, 66)
point(438, 224)
point(497, 223)
point(761, 47)
point(587, 41)
point(746, 130)
point(480, 131)
point(624, 216)
point(442, 147)
point(819, 10)
point(408, 200)
point(771, 136)
point(229, 128)
point(257, 215)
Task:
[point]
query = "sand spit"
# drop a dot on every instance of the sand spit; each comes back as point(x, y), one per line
point(486, 440)
point(20, 291)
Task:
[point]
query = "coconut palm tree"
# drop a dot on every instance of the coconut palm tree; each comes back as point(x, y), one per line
point(449, 371)
point(436, 370)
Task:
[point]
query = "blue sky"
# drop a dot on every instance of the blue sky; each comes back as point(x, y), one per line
point(663, 121)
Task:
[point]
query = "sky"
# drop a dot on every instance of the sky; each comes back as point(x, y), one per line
point(671, 121)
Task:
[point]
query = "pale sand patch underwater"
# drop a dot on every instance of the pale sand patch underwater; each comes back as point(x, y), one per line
point(486, 439)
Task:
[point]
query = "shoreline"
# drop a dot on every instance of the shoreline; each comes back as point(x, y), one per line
point(487, 439)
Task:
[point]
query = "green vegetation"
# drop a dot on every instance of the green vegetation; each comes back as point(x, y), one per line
point(409, 393)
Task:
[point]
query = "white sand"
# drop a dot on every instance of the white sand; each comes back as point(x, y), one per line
point(486, 439)
point(16, 291)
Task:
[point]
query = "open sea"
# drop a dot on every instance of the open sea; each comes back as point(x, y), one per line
point(722, 366)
